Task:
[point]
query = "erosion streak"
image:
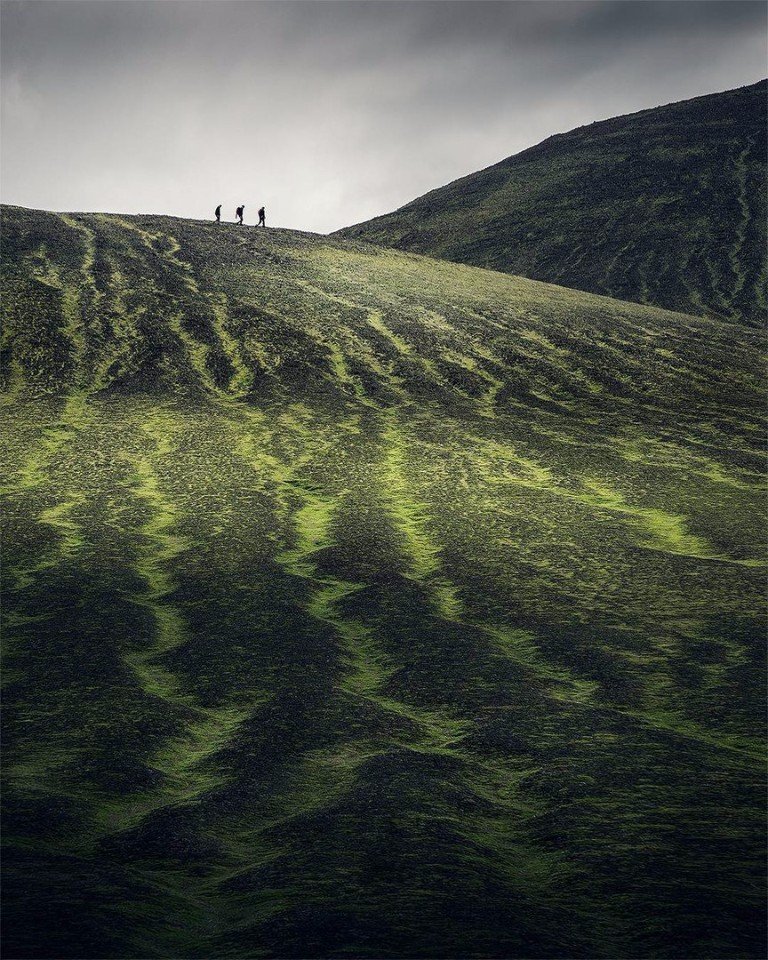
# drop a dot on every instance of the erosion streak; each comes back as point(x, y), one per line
point(88, 292)
point(368, 667)
point(312, 515)
point(374, 318)
point(339, 375)
point(39, 769)
point(199, 351)
point(243, 378)
point(657, 529)
point(206, 730)
point(412, 519)
point(740, 174)
point(123, 354)
point(72, 309)
point(36, 475)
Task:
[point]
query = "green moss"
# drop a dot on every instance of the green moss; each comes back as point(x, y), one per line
point(359, 603)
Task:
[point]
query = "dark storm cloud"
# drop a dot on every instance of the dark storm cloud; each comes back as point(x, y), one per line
point(329, 112)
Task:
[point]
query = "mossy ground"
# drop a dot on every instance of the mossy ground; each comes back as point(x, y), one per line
point(363, 605)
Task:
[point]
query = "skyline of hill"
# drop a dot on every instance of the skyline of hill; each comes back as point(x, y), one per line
point(364, 604)
point(666, 206)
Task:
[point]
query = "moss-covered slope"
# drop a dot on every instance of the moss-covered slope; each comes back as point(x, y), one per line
point(666, 206)
point(358, 604)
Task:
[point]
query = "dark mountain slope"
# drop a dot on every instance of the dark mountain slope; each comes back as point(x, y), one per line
point(666, 206)
point(358, 604)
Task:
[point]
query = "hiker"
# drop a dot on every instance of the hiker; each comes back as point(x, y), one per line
point(218, 214)
point(262, 214)
point(239, 214)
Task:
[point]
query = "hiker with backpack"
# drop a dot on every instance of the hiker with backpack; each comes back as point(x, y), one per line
point(239, 214)
point(262, 221)
point(217, 214)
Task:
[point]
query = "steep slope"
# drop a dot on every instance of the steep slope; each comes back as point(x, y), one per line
point(666, 206)
point(358, 604)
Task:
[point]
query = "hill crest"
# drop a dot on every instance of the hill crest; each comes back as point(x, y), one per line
point(665, 206)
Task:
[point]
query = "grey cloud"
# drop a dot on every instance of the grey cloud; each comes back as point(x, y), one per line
point(329, 112)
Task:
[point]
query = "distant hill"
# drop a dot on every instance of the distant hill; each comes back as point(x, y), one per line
point(666, 206)
point(360, 604)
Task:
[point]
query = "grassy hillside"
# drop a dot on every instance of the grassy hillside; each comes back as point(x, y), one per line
point(359, 604)
point(666, 206)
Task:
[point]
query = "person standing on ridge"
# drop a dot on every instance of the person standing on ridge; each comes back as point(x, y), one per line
point(218, 214)
point(239, 214)
point(262, 221)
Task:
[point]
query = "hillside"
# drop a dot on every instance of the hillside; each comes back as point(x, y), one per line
point(666, 207)
point(359, 604)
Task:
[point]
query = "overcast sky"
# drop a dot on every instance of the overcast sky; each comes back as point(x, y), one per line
point(329, 112)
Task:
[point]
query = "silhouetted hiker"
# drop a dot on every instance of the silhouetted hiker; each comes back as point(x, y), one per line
point(239, 214)
point(218, 214)
point(262, 214)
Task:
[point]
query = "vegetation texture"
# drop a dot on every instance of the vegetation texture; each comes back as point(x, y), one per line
point(666, 207)
point(364, 605)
